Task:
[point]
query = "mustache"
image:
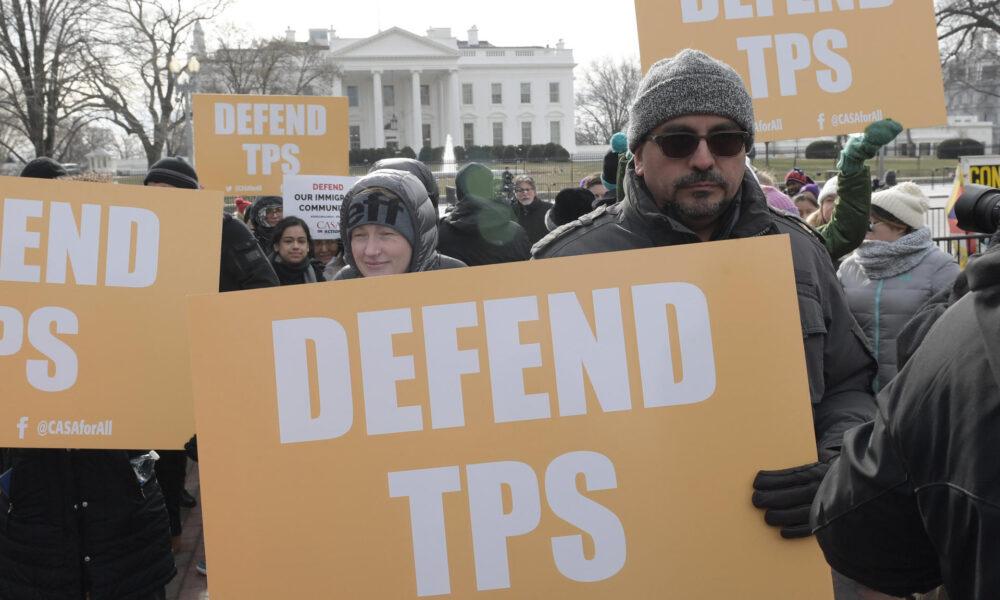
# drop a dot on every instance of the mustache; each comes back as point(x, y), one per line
point(701, 177)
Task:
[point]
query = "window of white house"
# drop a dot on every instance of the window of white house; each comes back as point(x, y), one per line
point(466, 93)
point(526, 133)
point(354, 133)
point(525, 93)
point(496, 93)
point(388, 95)
point(555, 132)
point(468, 134)
point(425, 95)
point(554, 91)
point(352, 95)
point(498, 134)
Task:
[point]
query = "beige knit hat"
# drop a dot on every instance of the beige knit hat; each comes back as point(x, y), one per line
point(906, 202)
point(829, 189)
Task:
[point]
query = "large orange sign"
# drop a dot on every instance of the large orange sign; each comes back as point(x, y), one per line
point(245, 145)
point(582, 427)
point(93, 335)
point(815, 68)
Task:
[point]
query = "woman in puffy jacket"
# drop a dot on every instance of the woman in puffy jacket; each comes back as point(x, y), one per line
point(894, 271)
point(389, 226)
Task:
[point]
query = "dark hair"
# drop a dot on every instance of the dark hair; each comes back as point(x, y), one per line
point(282, 225)
point(807, 197)
point(890, 218)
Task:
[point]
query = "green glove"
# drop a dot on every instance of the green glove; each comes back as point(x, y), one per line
point(860, 149)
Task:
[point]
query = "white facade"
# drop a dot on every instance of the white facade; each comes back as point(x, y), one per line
point(411, 90)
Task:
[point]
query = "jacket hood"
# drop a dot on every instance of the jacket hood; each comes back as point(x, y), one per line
point(415, 168)
point(418, 205)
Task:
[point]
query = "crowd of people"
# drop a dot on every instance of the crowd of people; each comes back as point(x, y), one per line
point(903, 494)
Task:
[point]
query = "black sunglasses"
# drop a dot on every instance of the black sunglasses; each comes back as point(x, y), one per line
point(683, 144)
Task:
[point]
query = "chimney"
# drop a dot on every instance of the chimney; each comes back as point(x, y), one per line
point(560, 45)
point(474, 36)
point(290, 35)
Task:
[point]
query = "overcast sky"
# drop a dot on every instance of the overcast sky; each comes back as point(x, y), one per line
point(591, 29)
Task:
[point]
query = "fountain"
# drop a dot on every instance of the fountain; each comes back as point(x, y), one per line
point(448, 167)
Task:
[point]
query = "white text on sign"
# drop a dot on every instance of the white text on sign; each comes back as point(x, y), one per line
point(267, 119)
point(72, 256)
point(598, 348)
point(492, 525)
point(793, 52)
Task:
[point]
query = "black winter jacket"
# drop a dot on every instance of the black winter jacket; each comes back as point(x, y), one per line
point(480, 232)
point(839, 361)
point(914, 499)
point(425, 256)
point(532, 218)
point(78, 520)
point(244, 265)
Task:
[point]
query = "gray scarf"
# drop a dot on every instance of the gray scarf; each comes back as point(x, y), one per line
point(882, 260)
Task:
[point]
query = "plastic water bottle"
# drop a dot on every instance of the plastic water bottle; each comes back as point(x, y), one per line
point(143, 466)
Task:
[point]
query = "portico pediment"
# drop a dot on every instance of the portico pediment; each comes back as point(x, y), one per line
point(395, 42)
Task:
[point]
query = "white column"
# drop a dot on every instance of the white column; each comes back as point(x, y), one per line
point(338, 86)
point(416, 137)
point(377, 123)
point(453, 118)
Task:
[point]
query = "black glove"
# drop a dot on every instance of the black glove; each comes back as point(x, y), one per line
point(787, 496)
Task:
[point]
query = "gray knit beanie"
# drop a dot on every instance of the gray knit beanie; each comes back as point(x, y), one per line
point(691, 83)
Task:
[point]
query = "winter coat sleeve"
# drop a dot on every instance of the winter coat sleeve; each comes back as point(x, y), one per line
point(839, 361)
point(849, 220)
point(866, 519)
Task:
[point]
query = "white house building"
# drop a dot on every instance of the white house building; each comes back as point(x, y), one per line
point(405, 89)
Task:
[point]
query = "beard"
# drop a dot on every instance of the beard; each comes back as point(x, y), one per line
point(706, 204)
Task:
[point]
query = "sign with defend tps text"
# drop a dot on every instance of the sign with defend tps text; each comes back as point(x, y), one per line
point(245, 145)
point(93, 335)
point(584, 427)
point(814, 68)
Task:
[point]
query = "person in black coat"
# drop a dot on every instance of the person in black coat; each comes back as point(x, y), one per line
point(478, 231)
point(914, 499)
point(82, 523)
point(529, 209)
point(292, 253)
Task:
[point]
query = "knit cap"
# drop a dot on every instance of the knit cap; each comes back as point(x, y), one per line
point(173, 171)
point(798, 175)
point(570, 204)
point(906, 202)
point(829, 189)
point(609, 171)
point(812, 188)
point(376, 208)
point(43, 167)
point(776, 199)
point(690, 83)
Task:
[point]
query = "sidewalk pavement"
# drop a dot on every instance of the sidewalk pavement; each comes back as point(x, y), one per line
point(189, 584)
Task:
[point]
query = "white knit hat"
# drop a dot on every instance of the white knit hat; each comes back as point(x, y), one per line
point(829, 189)
point(906, 202)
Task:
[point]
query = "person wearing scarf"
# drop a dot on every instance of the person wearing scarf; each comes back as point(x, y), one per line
point(894, 271)
point(292, 258)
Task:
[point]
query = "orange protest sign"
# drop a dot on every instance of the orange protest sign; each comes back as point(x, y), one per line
point(814, 68)
point(93, 335)
point(245, 145)
point(565, 428)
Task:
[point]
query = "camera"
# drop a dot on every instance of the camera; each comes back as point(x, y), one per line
point(978, 209)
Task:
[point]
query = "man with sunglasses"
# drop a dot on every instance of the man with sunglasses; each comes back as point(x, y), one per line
point(690, 126)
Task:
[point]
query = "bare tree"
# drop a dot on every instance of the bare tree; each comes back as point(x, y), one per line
point(608, 85)
point(43, 61)
point(267, 66)
point(135, 83)
point(961, 23)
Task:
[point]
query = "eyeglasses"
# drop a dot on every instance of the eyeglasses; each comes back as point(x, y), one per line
point(522, 190)
point(684, 144)
point(272, 210)
point(872, 224)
